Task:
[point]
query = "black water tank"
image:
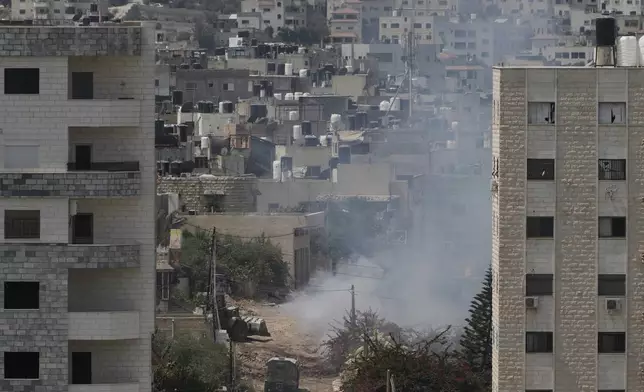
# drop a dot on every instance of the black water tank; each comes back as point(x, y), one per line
point(253, 41)
point(93, 8)
point(175, 168)
point(306, 128)
point(361, 120)
point(333, 162)
point(606, 31)
point(210, 107)
point(281, 69)
point(344, 154)
point(177, 97)
point(187, 107)
point(201, 107)
point(270, 67)
point(257, 88)
point(352, 122)
point(220, 51)
point(230, 107)
point(269, 90)
point(183, 133)
point(243, 34)
point(311, 141)
point(158, 127)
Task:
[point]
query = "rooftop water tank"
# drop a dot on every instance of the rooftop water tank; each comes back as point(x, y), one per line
point(277, 170)
point(606, 31)
point(306, 94)
point(293, 115)
point(384, 106)
point(288, 97)
point(627, 51)
point(205, 142)
point(278, 96)
point(307, 128)
point(297, 96)
point(303, 73)
point(288, 69)
point(297, 132)
point(335, 118)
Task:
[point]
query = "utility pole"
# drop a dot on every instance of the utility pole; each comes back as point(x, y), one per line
point(353, 306)
point(411, 36)
point(216, 325)
point(388, 380)
point(231, 364)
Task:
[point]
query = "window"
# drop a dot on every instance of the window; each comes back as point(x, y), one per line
point(229, 86)
point(21, 224)
point(191, 86)
point(156, 82)
point(611, 285)
point(541, 169)
point(612, 227)
point(21, 295)
point(313, 171)
point(273, 207)
point(395, 25)
point(541, 112)
point(428, 25)
point(538, 342)
point(611, 342)
point(538, 284)
point(21, 366)
point(21, 157)
point(540, 226)
point(22, 81)
point(612, 169)
point(612, 113)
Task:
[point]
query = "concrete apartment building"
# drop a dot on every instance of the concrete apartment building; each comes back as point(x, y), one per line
point(568, 243)
point(56, 9)
point(77, 276)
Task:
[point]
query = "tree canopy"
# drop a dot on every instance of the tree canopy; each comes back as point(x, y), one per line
point(476, 341)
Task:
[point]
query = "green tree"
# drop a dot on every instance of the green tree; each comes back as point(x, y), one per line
point(256, 261)
point(269, 31)
point(188, 363)
point(476, 341)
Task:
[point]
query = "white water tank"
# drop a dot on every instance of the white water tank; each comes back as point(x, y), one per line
point(384, 106)
point(335, 118)
point(303, 73)
point(297, 132)
point(297, 96)
point(395, 103)
point(205, 142)
point(288, 97)
point(293, 115)
point(262, 93)
point(277, 170)
point(278, 96)
point(349, 69)
point(288, 69)
point(394, 14)
point(454, 126)
point(222, 107)
point(306, 94)
point(334, 176)
point(627, 51)
point(641, 45)
point(301, 50)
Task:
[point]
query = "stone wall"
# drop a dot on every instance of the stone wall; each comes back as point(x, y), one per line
point(239, 193)
point(70, 41)
point(82, 184)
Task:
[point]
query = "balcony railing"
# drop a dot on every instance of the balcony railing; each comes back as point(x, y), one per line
point(106, 166)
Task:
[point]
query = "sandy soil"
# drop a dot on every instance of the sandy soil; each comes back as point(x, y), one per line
point(286, 340)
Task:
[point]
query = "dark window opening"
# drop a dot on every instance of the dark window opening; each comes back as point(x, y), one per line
point(313, 171)
point(540, 227)
point(612, 342)
point(538, 284)
point(611, 285)
point(83, 159)
point(83, 229)
point(21, 366)
point(215, 203)
point(82, 85)
point(612, 227)
point(81, 368)
point(21, 295)
point(21, 224)
point(541, 112)
point(538, 342)
point(612, 169)
point(22, 81)
point(541, 169)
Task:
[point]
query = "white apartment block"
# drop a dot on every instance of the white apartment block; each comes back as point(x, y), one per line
point(568, 229)
point(77, 195)
point(57, 9)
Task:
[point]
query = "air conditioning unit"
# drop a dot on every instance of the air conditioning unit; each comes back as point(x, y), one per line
point(613, 304)
point(531, 302)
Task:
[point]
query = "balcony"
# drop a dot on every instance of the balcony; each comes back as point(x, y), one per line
point(103, 325)
point(124, 387)
point(77, 184)
point(117, 112)
point(73, 256)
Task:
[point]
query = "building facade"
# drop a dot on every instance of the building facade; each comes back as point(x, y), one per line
point(77, 193)
point(56, 9)
point(567, 229)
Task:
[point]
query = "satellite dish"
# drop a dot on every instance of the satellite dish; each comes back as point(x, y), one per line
point(224, 151)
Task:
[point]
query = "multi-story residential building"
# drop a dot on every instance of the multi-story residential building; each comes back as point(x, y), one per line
point(567, 229)
point(345, 25)
point(77, 172)
point(57, 10)
point(277, 14)
point(394, 29)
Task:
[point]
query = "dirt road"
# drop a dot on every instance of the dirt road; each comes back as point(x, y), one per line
point(286, 340)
